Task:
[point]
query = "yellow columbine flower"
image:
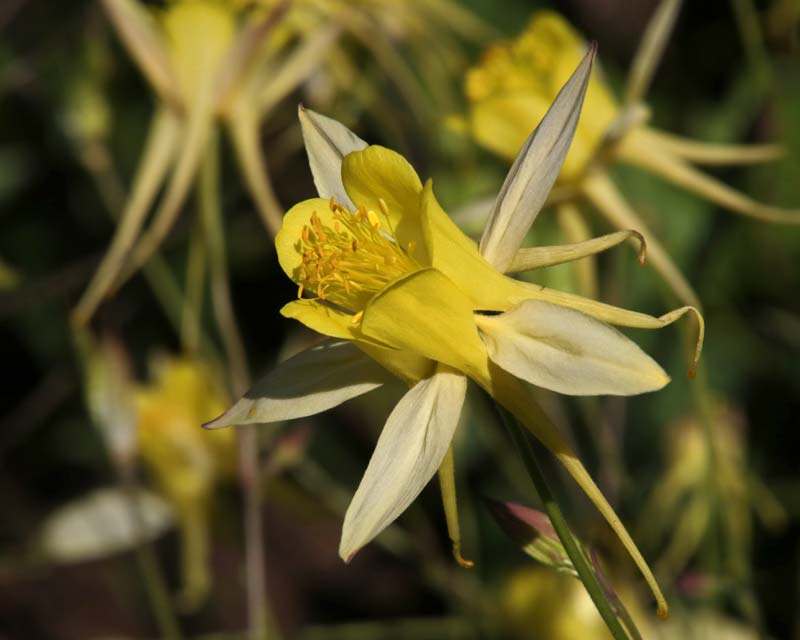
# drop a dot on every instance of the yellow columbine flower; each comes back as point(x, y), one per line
point(392, 279)
point(186, 462)
point(510, 89)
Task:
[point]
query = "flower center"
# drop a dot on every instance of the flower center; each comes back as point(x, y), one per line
point(349, 258)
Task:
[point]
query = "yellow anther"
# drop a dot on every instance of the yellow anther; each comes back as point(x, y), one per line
point(384, 208)
point(347, 258)
point(357, 317)
point(332, 204)
point(412, 245)
point(374, 220)
point(300, 292)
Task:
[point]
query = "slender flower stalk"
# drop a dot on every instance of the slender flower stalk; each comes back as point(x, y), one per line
point(574, 552)
point(509, 90)
point(391, 279)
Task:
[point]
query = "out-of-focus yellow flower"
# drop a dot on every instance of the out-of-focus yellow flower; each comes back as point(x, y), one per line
point(539, 603)
point(511, 89)
point(186, 461)
point(229, 63)
point(508, 93)
point(707, 483)
point(9, 277)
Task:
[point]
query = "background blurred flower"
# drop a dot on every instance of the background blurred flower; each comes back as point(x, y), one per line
point(186, 461)
point(540, 603)
point(229, 62)
point(508, 93)
point(707, 486)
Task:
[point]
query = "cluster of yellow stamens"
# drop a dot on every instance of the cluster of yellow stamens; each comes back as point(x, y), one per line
point(348, 257)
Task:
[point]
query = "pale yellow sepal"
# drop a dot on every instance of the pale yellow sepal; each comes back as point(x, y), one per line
point(70, 534)
point(569, 352)
point(535, 170)
point(410, 449)
point(327, 142)
point(308, 383)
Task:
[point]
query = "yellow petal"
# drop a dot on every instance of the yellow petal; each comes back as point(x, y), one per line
point(456, 256)
point(198, 35)
point(287, 241)
point(244, 127)
point(199, 129)
point(376, 174)
point(408, 366)
point(516, 82)
point(501, 124)
point(321, 318)
point(426, 313)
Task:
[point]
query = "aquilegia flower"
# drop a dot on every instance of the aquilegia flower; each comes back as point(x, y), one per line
point(391, 279)
point(186, 464)
point(510, 89)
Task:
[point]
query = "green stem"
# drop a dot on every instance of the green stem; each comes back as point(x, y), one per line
point(579, 561)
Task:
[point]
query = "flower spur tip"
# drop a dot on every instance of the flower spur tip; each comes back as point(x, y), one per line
point(463, 562)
